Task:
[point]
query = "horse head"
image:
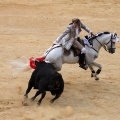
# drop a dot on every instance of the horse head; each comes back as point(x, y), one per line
point(111, 43)
point(106, 40)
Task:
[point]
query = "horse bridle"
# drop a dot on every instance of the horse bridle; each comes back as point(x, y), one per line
point(112, 37)
point(104, 46)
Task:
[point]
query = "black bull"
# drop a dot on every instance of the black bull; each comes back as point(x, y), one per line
point(45, 78)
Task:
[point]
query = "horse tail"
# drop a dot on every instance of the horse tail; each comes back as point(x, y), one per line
point(19, 66)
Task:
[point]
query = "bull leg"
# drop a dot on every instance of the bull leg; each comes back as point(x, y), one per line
point(43, 95)
point(28, 90)
point(37, 93)
point(56, 97)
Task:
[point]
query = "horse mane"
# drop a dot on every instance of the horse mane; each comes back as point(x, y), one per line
point(101, 33)
point(98, 35)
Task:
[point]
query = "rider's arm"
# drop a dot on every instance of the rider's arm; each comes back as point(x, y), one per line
point(62, 35)
point(85, 28)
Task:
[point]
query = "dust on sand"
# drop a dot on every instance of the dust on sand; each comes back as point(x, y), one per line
point(28, 28)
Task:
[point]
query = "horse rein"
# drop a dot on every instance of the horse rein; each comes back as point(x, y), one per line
point(104, 44)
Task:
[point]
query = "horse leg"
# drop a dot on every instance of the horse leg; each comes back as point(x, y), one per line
point(93, 73)
point(58, 64)
point(99, 67)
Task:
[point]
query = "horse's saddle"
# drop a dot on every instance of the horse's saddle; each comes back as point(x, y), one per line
point(67, 52)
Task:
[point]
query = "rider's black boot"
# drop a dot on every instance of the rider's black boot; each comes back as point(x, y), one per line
point(82, 61)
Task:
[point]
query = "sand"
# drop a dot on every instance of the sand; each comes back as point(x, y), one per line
point(28, 28)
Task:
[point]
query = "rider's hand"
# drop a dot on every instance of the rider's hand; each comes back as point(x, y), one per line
point(53, 45)
point(92, 34)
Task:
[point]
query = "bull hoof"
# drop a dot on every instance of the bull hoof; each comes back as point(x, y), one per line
point(51, 101)
point(38, 104)
point(96, 78)
point(32, 99)
point(25, 97)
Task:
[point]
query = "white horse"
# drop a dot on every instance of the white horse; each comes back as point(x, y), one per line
point(56, 56)
point(105, 39)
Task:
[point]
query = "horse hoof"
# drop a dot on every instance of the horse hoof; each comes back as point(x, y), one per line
point(92, 75)
point(96, 78)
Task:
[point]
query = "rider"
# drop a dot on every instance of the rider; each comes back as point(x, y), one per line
point(70, 35)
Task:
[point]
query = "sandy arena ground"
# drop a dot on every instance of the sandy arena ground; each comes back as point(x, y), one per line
point(28, 28)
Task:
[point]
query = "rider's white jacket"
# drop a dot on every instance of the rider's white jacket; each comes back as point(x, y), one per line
point(69, 35)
